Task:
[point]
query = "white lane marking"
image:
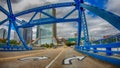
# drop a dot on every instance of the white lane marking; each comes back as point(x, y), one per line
point(53, 60)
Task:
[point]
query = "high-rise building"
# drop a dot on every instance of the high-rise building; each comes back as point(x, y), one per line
point(47, 32)
point(15, 36)
point(26, 33)
point(3, 33)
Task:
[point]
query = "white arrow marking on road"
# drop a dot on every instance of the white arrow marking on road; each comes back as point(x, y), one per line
point(68, 60)
point(34, 58)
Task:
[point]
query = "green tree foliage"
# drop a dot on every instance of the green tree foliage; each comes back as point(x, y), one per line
point(12, 42)
point(48, 45)
point(3, 40)
point(70, 43)
point(108, 40)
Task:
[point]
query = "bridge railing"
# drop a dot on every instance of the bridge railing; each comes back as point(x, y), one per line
point(110, 39)
point(4, 47)
point(107, 48)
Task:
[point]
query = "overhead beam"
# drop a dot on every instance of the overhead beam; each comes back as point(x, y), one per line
point(9, 6)
point(67, 4)
point(47, 14)
point(47, 21)
point(69, 13)
point(2, 22)
point(33, 17)
point(108, 16)
point(4, 11)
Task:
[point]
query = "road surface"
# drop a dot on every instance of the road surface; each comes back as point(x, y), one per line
point(55, 59)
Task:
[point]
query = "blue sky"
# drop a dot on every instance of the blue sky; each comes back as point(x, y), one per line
point(97, 3)
point(13, 27)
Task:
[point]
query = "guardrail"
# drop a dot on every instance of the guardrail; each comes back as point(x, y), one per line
point(93, 51)
point(13, 48)
point(108, 48)
point(110, 39)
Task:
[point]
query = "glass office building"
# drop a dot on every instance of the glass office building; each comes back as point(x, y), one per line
point(26, 33)
point(3, 33)
point(46, 32)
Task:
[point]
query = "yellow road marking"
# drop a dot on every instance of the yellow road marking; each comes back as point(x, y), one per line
point(16, 57)
point(21, 56)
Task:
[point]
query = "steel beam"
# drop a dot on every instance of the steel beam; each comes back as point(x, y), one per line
point(19, 35)
point(47, 21)
point(69, 13)
point(108, 16)
point(33, 17)
point(9, 6)
point(67, 4)
point(85, 29)
point(4, 11)
point(47, 14)
point(2, 22)
point(79, 21)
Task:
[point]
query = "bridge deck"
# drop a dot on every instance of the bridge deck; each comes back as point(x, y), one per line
point(56, 57)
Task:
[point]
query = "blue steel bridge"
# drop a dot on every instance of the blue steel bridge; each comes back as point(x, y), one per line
point(80, 7)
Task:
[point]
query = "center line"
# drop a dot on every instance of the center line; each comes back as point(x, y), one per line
point(53, 60)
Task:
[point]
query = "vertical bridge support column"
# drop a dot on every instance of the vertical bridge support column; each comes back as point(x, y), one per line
point(108, 51)
point(79, 21)
point(12, 19)
point(95, 50)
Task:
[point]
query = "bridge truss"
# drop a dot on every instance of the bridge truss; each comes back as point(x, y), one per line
point(78, 6)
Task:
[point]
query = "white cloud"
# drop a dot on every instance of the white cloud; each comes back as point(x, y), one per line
point(98, 27)
point(113, 6)
point(66, 30)
point(5, 27)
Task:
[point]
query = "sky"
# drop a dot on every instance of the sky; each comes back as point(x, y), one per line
point(97, 26)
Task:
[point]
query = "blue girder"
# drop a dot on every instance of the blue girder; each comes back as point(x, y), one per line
point(67, 4)
point(10, 22)
point(78, 4)
point(94, 52)
point(69, 13)
point(4, 11)
point(108, 16)
point(9, 7)
point(33, 17)
point(2, 22)
point(85, 30)
point(47, 14)
point(43, 21)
